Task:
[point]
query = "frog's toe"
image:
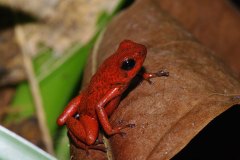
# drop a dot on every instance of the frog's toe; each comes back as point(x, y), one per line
point(131, 125)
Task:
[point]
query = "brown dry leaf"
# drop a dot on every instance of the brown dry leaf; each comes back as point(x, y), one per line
point(11, 73)
point(172, 110)
point(40, 8)
point(215, 23)
point(11, 69)
point(22, 128)
point(71, 22)
point(6, 94)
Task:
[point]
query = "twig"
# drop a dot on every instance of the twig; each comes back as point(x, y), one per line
point(34, 86)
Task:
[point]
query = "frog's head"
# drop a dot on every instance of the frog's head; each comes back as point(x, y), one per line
point(131, 56)
point(124, 64)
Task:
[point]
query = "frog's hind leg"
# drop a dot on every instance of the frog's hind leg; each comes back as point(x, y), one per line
point(82, 145)
point(85, 129)
point(77, 142)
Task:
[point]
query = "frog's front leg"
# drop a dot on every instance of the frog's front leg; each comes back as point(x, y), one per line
point(148, 76)
point(103, 116)
point(112, 105)
point(70, 110)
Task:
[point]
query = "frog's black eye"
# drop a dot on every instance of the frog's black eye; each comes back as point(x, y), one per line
point(128, 64)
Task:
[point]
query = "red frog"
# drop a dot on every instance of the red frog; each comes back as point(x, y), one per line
point(97, 102)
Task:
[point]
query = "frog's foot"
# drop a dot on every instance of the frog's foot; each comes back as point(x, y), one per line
point(120, 127)
point(120, 123)
point(162, 73)
point(148, 76)
point(131, 125)
point(123, 134)
point(81, 145)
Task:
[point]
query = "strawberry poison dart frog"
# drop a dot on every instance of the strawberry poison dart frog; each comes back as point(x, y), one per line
point(92, 107)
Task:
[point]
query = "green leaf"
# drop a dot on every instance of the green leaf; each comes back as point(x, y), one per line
point(57, 85)
point(62, 146)
point(13, 146)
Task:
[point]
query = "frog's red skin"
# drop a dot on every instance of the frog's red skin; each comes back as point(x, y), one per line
point(97, 102)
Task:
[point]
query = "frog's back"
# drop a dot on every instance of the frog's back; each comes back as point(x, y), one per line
point(116, 71)
point(92, 95)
